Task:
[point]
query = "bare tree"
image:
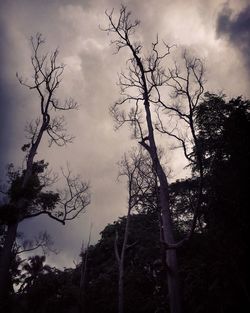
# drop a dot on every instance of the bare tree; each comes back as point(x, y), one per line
point(25, 197)
point(187, 87)
point(42, 241)
point(137, 168)
point(83, 272)
point(138, 88)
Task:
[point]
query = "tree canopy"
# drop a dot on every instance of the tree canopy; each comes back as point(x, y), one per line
point(213, 265)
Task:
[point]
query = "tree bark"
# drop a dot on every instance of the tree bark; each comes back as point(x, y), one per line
point(121, 289)
point(171, 257)
point(120, 261)
point(173, 296)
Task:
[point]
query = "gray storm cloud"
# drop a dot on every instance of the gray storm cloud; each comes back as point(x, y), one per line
point(236, 28)
point(90, 77)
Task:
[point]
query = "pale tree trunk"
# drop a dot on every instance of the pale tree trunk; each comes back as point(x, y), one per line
point(84, 267)
point(121, 289)
point(120, 260)
point(171, 258)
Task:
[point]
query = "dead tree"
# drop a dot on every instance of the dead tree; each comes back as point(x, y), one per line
point(137, 169)
point(177, 119)
point(138, 88)
point(83, 272)
point(47, 76)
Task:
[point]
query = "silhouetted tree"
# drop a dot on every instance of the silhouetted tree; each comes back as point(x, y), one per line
point(214, 265)
point(46, 289)
point(140, 91)
point(25, 195)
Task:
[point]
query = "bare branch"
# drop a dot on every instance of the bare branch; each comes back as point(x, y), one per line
point(141, 178)
point(75, 198)
point(187, 87)
point(43, 241)
point(47, 76)
point(69, 202)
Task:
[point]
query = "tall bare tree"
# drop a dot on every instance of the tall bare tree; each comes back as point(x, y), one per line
point(83, 272)
point(136, 167)
point(138, 88)
point(25, 196)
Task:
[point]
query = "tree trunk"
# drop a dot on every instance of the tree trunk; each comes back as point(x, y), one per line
point(10, 236)
point(173, 282)
point(121, 288)
point(5, 263)
point(171, 258)
point(120, 261)
point(84, 265)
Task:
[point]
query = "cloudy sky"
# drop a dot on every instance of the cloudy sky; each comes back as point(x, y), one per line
point(216, 31)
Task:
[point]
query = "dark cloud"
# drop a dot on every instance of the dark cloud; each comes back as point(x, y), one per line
point(6, 99)
point(237, 29)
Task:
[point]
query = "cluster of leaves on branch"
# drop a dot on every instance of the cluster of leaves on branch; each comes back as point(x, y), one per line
point(60, 205)
point(32, 193)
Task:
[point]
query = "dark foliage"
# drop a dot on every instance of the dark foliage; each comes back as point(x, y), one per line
point(213, 264)
point(142, 283)
point(33, 194)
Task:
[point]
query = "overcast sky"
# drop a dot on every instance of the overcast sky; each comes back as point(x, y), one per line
point(216, 31)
